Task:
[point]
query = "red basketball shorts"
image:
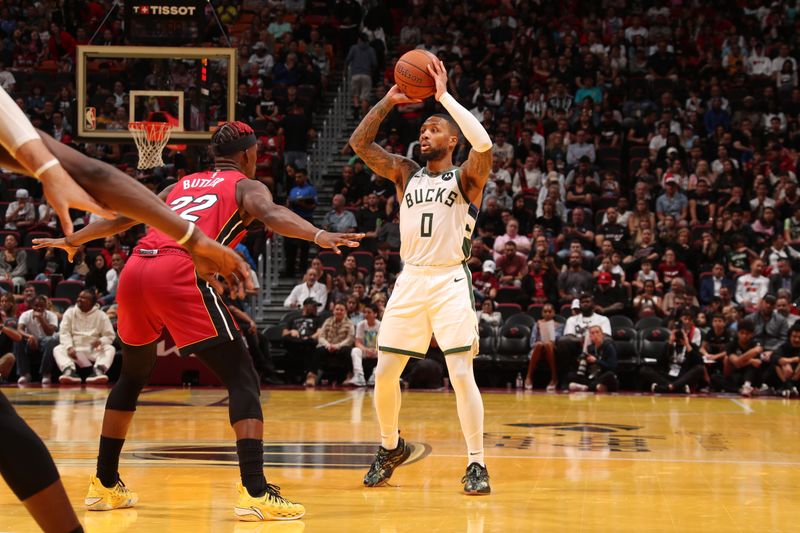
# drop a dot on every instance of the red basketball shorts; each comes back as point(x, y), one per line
point(158, 290)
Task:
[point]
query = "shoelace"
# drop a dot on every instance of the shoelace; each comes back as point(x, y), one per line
point(476, 471)
point(121, 486)
point(274, 492)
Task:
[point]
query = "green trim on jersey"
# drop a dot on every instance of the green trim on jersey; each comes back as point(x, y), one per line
point(469, 283)
point(389, 349)
point(461, 187)
point(466, 247)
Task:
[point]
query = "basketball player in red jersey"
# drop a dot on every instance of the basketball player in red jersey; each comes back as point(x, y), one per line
point(159, 288)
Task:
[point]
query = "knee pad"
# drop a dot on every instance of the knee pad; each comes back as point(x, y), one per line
point(125, 393)
point(25, 463)
point(244, 396)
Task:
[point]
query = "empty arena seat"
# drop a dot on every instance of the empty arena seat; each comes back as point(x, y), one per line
point(620, 321)
point(652, 342)
point(42, 287)
point(508, 294)
point(330, 259)
point(513, 347)
point(68, 290)
point(507, 309)
point(648, 323)
point(523, 319)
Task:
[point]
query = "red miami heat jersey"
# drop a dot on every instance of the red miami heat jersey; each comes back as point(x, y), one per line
point(209, 200)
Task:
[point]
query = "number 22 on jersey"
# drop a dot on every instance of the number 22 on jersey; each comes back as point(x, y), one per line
point(186, 205)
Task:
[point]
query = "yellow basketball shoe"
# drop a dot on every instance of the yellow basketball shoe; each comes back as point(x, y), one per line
point(270, 506)
point(100, 498)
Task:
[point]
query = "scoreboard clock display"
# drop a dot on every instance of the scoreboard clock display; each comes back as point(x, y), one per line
point(164, 22)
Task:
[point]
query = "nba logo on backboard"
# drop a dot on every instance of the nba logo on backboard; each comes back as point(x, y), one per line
point(90, 119)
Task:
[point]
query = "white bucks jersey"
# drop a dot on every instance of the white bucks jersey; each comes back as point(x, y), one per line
point(436, 219)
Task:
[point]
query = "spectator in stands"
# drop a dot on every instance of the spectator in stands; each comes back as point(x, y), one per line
point(488, 314)
point(785, 278)
point(309, 288)
point(580, 151)
point(672, 202)
point(361, 61)
point(540, 285)
point(485, 282)
point(371, 217)
point(13, 263)
point(596, 366)
point(366, 347)
point(339, 219)
point(38, 327)
point(96, 277)
point(752, 287)
point(648, 303)
point(575, 279)
point(523, 244)
point(670, 268)
point(609, 298)
point(512, 265)
point(783, 372)
point(770, 329)
point(111, 246)
point(710, 285)
point(335, 341)
point(21, 213)
point(112, 279)
point(679, 367)
point(85, 338)
point(578, 325)
point(303, 201)
point(678, 296)
point(783, 306)
point(745, 360)
point(544, 335)
point(300, 337)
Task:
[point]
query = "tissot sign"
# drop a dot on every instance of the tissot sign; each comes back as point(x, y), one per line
point(155, 9)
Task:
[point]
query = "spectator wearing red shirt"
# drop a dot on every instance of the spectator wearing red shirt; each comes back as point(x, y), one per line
point(112, 246)
point(670, 268)
point(512, 265)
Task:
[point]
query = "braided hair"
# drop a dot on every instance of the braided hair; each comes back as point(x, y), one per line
point(232, 137)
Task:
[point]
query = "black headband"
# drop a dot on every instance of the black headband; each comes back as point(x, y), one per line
point(236, 145)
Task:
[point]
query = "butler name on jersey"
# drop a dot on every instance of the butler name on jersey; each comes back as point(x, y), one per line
point(436, 219)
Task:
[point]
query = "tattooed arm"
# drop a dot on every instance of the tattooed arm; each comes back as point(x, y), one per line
point(390, 166)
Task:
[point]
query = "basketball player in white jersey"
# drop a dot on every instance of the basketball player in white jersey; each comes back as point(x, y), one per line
point(433, 293)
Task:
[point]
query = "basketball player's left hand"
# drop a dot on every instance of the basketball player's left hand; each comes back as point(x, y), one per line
point(212, 259)
point(334, 240)
point(63, 193)
point(56, 243)
point(439, 74)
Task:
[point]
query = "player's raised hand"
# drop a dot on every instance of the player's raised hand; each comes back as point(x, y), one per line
point(211, 259)
point(56, 243)
point(398, 97)
point(439, 74)
point(63, 193)
point(334, 240)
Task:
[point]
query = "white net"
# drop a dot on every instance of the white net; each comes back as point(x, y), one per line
point(150, 139)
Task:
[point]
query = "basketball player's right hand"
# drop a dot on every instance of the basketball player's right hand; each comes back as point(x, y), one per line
point(63, 193)
point(398, 97)
point(334, 240)
point(56, 243)
point(212, 259)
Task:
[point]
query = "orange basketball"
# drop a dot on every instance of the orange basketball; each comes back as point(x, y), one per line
point(411, 74)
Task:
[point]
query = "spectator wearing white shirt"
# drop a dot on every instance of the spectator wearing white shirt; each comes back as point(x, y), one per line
point(783, 56)
point(752, 287)
point(579, 324)
point(758, 64)
point(7, 80)
point(310, 288)
point(262, 58)
point(20, 213)
point(366, 347)
point(86, 334)
point(502, 149)
point(38, 327)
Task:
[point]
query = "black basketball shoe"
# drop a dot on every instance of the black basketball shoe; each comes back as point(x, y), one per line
point(476, 480)
point(385, 462)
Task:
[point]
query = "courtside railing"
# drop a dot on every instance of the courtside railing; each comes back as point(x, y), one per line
point(322, 153)
point(269, 265)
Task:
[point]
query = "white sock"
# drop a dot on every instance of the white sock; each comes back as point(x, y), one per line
point(469, 404)
point(388, 395)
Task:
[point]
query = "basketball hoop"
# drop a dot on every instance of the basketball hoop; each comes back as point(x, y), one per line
point(150, 138)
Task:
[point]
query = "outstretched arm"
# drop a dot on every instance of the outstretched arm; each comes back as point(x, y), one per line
point(390, 166)
point(255, 199)
point(475, 170)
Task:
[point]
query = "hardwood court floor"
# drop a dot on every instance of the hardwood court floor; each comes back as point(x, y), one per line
point(558, 462)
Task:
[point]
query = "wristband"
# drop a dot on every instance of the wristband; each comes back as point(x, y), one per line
point(188, 234)
point(44, 168)
point(320, 232)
